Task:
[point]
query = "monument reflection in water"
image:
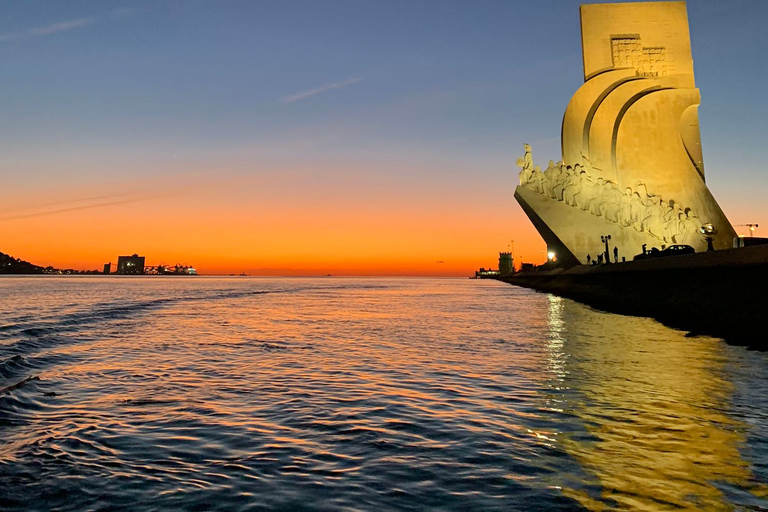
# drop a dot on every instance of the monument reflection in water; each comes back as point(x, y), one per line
point(632, 164)
point(658, 433)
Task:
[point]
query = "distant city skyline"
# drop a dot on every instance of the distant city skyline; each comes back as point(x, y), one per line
point(343, 137)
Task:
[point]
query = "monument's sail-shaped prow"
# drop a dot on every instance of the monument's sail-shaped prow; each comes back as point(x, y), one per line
point(632, 162)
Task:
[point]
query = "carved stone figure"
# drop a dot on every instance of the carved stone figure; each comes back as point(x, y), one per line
point(612, 202)
point(687, 229)
point(598, 197)
point(693, 218)
point(586, 191)
point(553, 175)
point(572, 186)
point(624, 216)
point(670, 222)
point(637, 212)
point(641, 189)
point(526, 163)
point(562, 181)
point(654, 221)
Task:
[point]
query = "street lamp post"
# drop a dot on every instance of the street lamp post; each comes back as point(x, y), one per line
point(607, 253)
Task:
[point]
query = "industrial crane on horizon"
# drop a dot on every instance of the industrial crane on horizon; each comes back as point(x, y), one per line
point(751, 228)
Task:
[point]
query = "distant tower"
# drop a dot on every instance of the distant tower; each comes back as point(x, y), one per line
point(108, 267)
point(505, 263)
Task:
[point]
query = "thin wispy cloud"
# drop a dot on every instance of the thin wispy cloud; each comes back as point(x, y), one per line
point(133, 198)
point(202, 182)
point(319, 90)
point(70, 209)
point(63, 26)
point(54, 28)
point(76, 200)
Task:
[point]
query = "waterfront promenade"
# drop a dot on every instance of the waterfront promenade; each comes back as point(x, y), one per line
point(718, 293)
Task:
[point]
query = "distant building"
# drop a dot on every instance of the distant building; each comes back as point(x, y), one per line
point(130, 264)
point(108, 268)
point(506, 266)
point(485, 272)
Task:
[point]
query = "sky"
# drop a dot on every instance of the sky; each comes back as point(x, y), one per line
point(353, 137)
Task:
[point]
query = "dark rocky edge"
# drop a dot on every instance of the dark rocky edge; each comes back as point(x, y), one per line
point(722, 293)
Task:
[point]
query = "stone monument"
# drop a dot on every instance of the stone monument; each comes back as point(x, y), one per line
point(632, 164)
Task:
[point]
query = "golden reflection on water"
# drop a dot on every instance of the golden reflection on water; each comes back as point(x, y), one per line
point(657, 435)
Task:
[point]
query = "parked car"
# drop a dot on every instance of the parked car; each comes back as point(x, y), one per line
point(672, 250)
point(677, 249)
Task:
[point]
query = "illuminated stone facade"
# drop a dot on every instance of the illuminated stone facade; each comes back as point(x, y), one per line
point(632, 163)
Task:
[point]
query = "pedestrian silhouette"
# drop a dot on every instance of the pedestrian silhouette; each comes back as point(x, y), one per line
point(616, 254)
point(589, 259)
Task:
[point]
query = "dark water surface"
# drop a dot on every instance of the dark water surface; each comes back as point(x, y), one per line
point(142, 394)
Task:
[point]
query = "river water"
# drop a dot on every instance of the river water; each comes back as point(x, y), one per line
point(229, 394)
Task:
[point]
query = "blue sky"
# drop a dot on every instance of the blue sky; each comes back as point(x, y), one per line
point(437, 92)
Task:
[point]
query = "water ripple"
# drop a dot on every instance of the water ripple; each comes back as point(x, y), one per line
point(364, 394)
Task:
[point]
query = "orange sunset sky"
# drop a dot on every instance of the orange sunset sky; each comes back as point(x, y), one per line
point(280, 222)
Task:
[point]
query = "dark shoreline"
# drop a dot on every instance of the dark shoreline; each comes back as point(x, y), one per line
point(721, 293)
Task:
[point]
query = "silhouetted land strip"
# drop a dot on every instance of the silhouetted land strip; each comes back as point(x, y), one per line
point(11, 265)
point(721, 293)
